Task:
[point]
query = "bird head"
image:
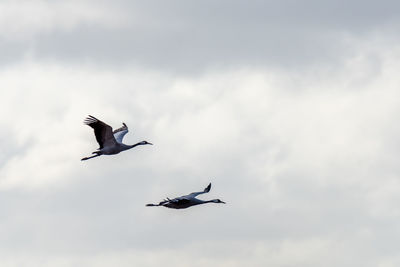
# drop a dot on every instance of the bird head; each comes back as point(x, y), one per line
point(218, 201)
point(145, 143)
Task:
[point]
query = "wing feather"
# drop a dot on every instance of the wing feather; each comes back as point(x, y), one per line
point(102, 131)
point(195, 194)
point(120, 133)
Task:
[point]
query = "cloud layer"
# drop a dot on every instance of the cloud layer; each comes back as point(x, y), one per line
point(188, 37)
point(288, 110)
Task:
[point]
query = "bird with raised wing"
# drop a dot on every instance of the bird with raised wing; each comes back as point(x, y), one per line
point(187, 201)
point(110, 141)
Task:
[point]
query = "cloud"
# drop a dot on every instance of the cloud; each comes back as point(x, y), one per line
point(23, 21)
point(288, 110)
point(192, 37)
point(305, 161)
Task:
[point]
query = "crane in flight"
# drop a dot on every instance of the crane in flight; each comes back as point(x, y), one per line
point(187, 201)
point(110, 141)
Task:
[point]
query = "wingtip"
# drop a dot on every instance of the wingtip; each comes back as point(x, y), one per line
point(208, 188)
point(89, 120)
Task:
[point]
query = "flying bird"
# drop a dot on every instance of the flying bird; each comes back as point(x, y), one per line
point(110, 141)
point(187, 201)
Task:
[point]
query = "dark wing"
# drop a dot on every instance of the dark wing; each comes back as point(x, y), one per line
point(180, 201)
point(103, 132)
point(207, 189)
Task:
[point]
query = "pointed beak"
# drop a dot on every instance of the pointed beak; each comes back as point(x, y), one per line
point(149, 143)
point(223, 202)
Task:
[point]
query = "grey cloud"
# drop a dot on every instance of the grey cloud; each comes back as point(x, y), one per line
point(185, 36)
point(306, 163)
point(13, 52)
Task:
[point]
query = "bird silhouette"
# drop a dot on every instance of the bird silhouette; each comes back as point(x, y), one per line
point(187, 201)
point(110, 141)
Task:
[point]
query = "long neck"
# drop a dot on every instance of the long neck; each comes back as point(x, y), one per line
point(204, 201)
point(132, 146)
point(126, 147)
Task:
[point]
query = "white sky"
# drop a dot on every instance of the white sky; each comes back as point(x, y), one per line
point(290, 109)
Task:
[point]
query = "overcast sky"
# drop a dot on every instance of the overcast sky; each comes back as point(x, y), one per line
point(289, 108)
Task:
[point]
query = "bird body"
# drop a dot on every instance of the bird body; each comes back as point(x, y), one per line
point(186, 201)
point(110, 141)
point(115, 149)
